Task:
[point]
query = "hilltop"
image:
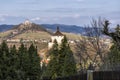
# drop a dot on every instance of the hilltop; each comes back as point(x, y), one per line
point(27, 25)
point(29, 30)
point(25, 30)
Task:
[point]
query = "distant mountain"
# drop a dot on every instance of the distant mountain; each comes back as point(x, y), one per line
point(51, 27)
point(5, 27)
point(13, 30)
point(65, 28)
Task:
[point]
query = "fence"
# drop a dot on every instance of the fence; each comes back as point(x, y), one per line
point(97, 75)
point(106, 75)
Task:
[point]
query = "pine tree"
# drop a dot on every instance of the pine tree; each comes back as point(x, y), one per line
point(61, 61)
point(29, 63)
point(69, 67)
point(53, 66)
point(13, 62)
point(66, 58)
point(114, 55)
point(4, 62)
point(22, 59)
point(19, 65)
point(33, 64)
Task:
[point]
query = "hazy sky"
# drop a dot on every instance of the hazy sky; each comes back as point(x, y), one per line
point(75, 12)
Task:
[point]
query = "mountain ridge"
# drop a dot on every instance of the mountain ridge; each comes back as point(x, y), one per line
point(65, 28)
point(50, 27)
point(5, 27)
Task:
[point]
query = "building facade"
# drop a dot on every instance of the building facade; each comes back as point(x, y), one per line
point(58, 36)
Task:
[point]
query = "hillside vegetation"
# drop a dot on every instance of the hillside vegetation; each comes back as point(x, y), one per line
point(29, 30)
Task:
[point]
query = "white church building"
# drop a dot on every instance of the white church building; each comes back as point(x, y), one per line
point(58, 36)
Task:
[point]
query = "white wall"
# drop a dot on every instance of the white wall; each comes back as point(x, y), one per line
point(57, 38)
point(50, 44)
point(53, 38)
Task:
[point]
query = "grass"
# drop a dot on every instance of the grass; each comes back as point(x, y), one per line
point(33, 35)
point(72, 36)
point(3, 34)
point(39, 35)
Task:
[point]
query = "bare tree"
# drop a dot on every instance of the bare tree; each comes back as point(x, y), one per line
point(82, 53)
point(92, 47)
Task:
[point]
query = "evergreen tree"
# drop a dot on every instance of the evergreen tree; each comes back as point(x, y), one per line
point(29, 63)
point(22, 59)
point(19, 65)
point(69, 67)
point(61, 61)
point(114, 55)
point(53, 66)
point(4, 62)
point(66, 58)
point(13, 62)
point(33, 64)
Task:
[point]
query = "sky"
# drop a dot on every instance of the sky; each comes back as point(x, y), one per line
point(71, 12)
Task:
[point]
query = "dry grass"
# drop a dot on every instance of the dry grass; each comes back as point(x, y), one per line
point(3, 34)
point(72, 36)
point(39, 35)
point(34, 35)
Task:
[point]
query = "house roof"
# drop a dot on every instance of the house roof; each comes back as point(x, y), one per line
point(58, 33)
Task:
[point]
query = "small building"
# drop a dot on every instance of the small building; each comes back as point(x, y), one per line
point(58, 36)
point(27, 22)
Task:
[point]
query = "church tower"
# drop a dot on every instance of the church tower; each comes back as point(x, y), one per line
point(58, 36)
